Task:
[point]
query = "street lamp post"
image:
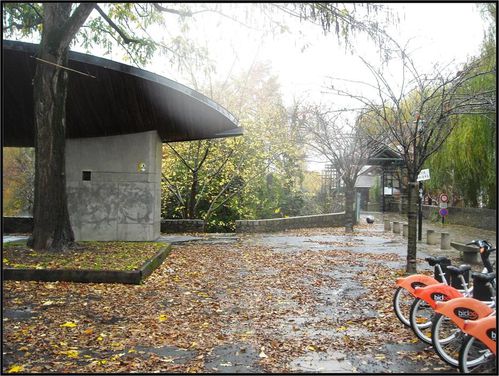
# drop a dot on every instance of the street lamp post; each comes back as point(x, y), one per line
point(420, 129)
point(420, 211)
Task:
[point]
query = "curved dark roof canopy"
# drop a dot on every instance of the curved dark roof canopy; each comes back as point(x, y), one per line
point(120, 99)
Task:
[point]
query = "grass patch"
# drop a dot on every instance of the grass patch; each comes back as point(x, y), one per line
point(84, 255)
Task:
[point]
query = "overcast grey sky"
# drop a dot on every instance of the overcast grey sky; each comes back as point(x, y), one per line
point(437, 33)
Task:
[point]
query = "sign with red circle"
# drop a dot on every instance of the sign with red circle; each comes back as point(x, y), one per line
point(444, 198)
point(443, 212)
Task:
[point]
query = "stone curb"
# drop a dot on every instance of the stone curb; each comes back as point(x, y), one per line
point(135, 277)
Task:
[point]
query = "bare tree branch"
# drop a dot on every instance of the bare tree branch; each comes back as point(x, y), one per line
point(122, 34)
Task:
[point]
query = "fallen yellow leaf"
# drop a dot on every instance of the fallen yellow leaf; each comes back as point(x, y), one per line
point(71, 353)
point(163, 318)
point(311, 348)
point(69, 324)
point(15, 368)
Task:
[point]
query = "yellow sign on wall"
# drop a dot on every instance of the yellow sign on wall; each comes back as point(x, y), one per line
point(141, 167)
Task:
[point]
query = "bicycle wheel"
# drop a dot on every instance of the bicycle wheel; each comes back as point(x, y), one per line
point(447, 339)
point(475, 357)
point(420, 319)
point(402, 300)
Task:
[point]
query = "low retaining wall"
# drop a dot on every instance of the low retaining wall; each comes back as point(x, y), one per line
point(474, 217)
point(13, 225)
point(280, 224)
point(134, 277)
point(182, 225)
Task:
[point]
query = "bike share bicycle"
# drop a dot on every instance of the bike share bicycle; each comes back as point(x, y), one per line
point(404, 294)
point(479, 350)
point(447, 329)
point(422, 310)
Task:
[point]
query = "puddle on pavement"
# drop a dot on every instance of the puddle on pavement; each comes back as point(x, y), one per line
point(175, 354)
point(19, 314)
point(294, 243)
point(320, 362)
point(233, 358)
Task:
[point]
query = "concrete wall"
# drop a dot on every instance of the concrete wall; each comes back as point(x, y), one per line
point(12, 225)
point(482, 218)
point(182, 225)
point(280, 224)
point(120, 202)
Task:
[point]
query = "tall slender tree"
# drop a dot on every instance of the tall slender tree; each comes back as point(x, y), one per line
point(415, 116)
point(344, 145)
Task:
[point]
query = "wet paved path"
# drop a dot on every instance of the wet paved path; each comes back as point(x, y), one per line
point(315, 300)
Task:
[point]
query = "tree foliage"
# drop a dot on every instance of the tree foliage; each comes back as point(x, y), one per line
point(256, 176)
point(466, 165)
point(18, 175)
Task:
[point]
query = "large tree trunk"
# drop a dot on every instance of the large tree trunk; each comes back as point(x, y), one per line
point(349, 207)
point(52, 228)
point(412, 215)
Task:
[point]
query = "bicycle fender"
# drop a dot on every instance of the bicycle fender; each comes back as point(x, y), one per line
point(461, 309)
point(439, 292)
point(485, 330)
point(416, 280)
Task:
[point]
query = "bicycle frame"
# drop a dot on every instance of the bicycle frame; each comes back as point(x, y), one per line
point(437, 293)
point(420, 280)
point(416, 280)
point(485, 330)
point(461, 309)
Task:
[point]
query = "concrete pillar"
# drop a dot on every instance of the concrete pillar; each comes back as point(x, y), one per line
point(445, 240)
point(431, 237)
point(388, 225)
point(114, 186)
point(405, 230)
point(396, 227)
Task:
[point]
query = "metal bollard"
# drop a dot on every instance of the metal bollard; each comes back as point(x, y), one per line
point(396, 227)
point(405, 230)
point(445, 240)
point(388, 226)
point(431, 237)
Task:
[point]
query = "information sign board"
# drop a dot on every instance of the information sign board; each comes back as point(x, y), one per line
point(424, 175)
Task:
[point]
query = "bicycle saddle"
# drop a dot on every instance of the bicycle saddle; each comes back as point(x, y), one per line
point(456, 270)
point(432, 260)
point(484, 277)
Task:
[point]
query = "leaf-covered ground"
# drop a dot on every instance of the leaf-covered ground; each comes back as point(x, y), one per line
point(224, 307)
point(84, 255)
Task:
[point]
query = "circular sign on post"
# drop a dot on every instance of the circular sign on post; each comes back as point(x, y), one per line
point(443, 212)
point(444, 198)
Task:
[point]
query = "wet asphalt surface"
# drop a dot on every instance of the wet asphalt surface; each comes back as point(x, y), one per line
point(393, 356)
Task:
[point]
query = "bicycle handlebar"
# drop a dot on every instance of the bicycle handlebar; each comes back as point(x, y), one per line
point(482, 243)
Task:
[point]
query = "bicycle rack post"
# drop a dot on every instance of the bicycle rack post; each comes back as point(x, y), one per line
point(396, 227)
point(444, 240)
point(387, 224)
point(431, 237)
